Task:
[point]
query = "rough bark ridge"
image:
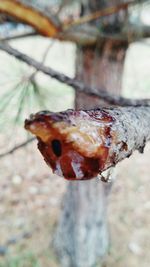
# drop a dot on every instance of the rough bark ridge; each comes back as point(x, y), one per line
point(82, 235)
point(100, 67)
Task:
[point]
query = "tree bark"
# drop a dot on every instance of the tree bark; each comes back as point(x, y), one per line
point(100, 67)
point(82, 236)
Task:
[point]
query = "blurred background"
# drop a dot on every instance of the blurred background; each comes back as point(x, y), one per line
point(30, 194)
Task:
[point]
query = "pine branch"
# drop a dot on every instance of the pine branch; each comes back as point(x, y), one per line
point(32, 76)
point(77, 85)
point(81, 144)
point(49, 25)
point(98, 14)
point(18, 36)
point(42, 21)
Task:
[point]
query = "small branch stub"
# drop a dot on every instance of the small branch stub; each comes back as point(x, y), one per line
point(78, 145)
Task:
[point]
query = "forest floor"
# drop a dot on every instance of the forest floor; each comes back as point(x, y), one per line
point(31, 196)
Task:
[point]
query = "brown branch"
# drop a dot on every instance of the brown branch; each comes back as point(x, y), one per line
point(77, 85)
point(15, 148)
point(80, 144)
point(100, 13)
point(88, 35)
point(44, 23)
point(48, 25)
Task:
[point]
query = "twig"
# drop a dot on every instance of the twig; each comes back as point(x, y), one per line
point(32, 76)
point(100, 13)
point(18, 36)
point(77, 85)
point(11, 151)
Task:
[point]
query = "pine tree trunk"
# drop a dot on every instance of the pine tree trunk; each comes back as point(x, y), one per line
point(82, 237)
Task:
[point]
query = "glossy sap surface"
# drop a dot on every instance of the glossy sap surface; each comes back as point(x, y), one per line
point(75, 144)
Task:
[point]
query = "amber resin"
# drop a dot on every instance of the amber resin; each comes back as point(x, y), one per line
point(75, 144)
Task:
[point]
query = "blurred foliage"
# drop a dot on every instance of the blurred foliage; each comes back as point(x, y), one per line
point(25, 260)
point(24, 91)
point(20, 99)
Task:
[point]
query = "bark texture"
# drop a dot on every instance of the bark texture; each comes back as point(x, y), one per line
point(100, 67)
point(82, 236)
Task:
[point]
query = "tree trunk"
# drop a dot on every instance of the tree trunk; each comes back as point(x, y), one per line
point(100, 67)
point(82, 236)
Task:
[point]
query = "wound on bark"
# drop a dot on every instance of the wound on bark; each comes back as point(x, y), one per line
point(78, 145)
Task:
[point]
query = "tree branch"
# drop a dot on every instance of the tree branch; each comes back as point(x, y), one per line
point(98, 14)
point(43, 22)
point(77, 85)
point(18, 36)
point(48, 25)
point(15, 148)
point(80, 144)
point(32, 76)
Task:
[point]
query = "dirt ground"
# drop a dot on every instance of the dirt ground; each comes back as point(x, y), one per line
point(31, 196)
